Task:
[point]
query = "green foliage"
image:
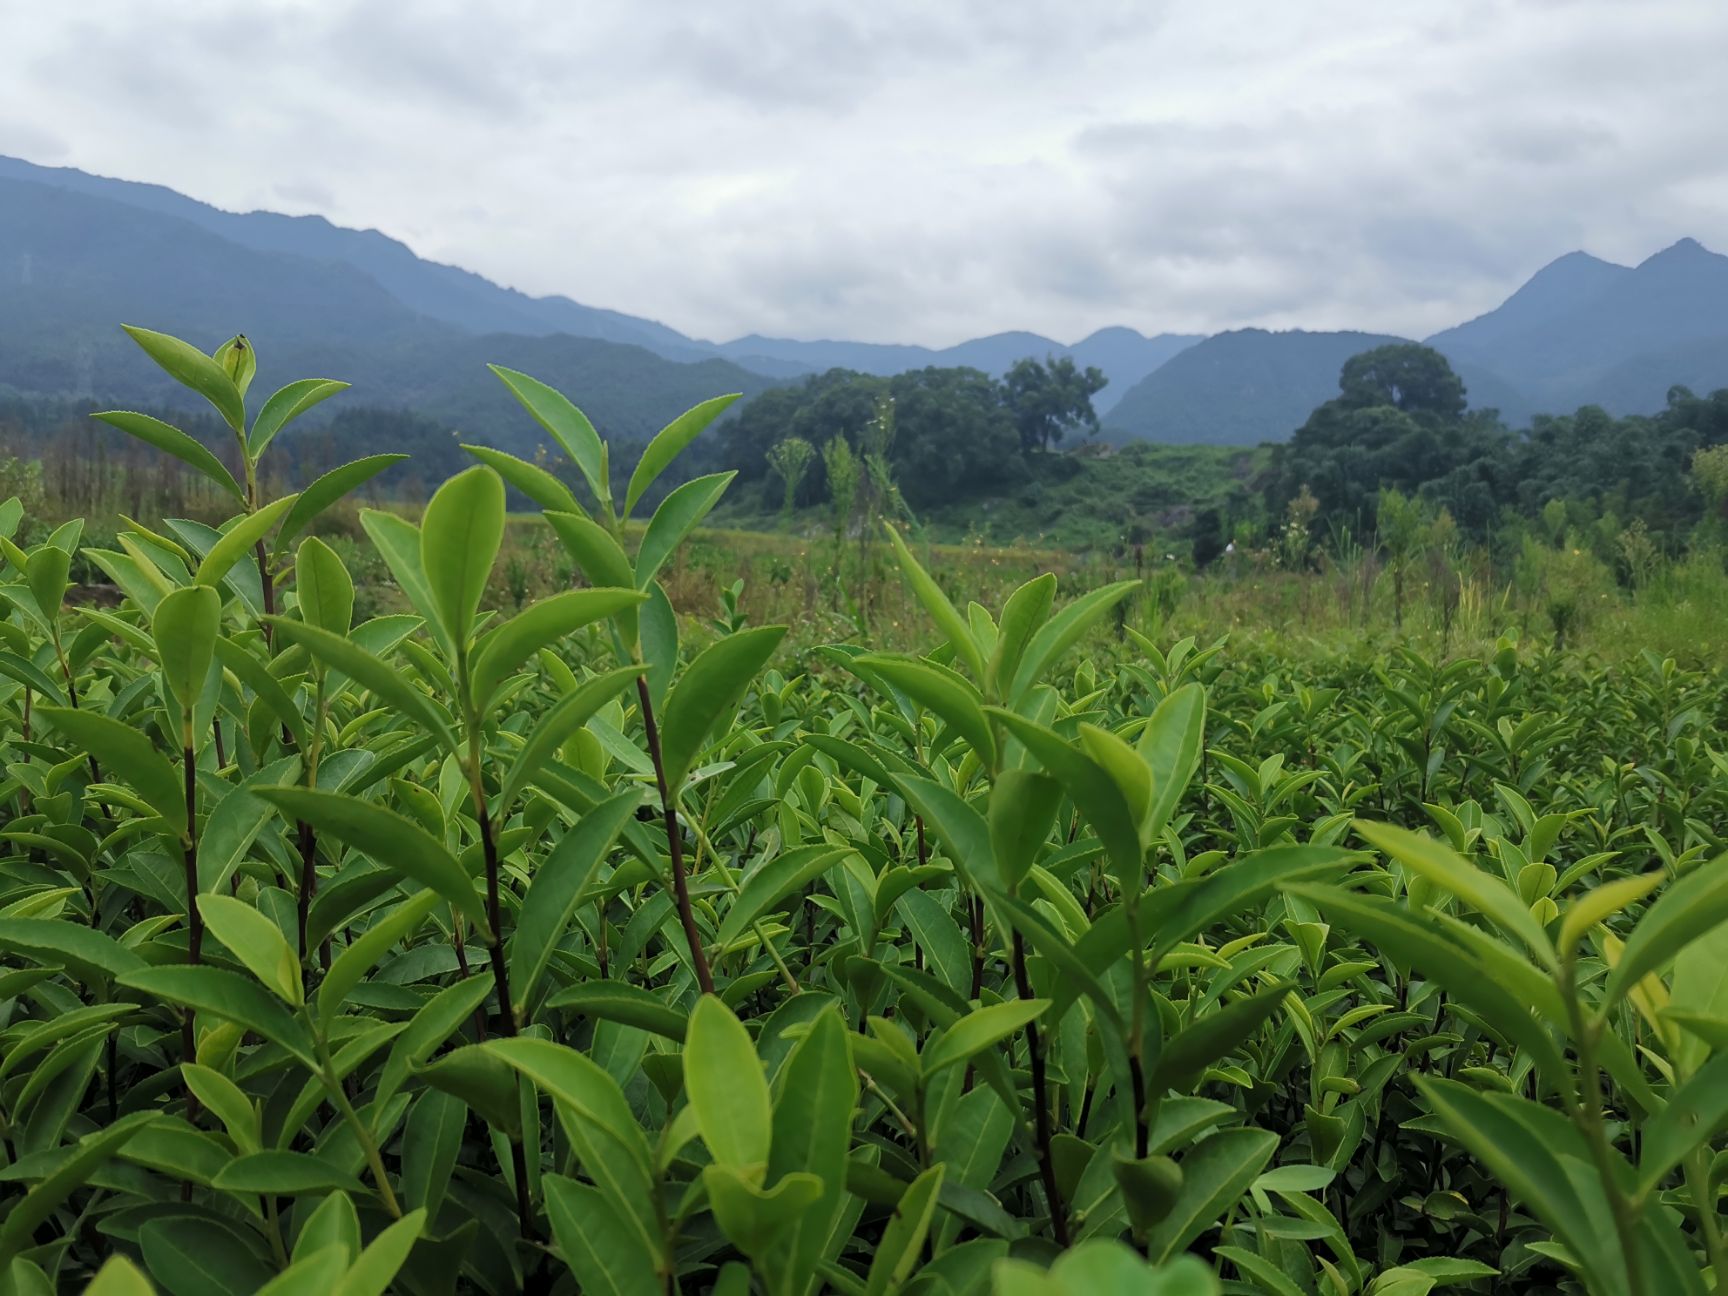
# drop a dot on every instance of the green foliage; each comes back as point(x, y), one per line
point(956, 432)
point(595, 948)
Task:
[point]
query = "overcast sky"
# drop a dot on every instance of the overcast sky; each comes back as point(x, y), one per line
point(921, 170)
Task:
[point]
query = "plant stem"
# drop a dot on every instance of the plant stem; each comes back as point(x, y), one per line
point(308, 835)
point(975, 917)
point(674, 844)
point(1040, 1102)
point(1697, 1177)
point(703, 845)
point(368, 1144)
point(273, 1222)
point(500, 972)
point(1137, 1031)
point(194, 919)
point(266, 585)
point(494, 915)
point(72, 699)
point(1587, 1115)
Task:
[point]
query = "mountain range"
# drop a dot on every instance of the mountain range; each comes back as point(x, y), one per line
point(81, 253)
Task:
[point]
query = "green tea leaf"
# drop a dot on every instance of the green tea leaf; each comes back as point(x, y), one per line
point(726, 1087)
point(118, 1276)
point(952, 625)
point(1172, 744)
point(325, 589)
point(257, 942)
point(284, 406)
point(903, 1239)
point(558, 889)
point(1185, 1057)
point(1096, 794)
point(678, 515)
point(1061, 632)
point(459, 538)
point(185, 626)
point(376, 1268)
point(1447, 869)
point(768, 885)
point(1215, 1173)
point(361, 666)
point(1022, 812)
point(568, 425)
point(239, 539)
point(1523, 1147)
point(531, 479)
point(170, 439)
point(952, 698)
point(87, 1155)
point(558, 724)
point(364, 952)
point(326, 490)
point(596, 1243)
point(1695, 904)
point(619, 1001)
point(669, 443)
point(88, 954)
point(45, 573)
point(227, 995)
point(190, 367)
point(392, 840)
point(978, 1030)
point(288, 1174)
point(1696, 1113)
point(130, 754)
point(504, 649)
point(710, 688)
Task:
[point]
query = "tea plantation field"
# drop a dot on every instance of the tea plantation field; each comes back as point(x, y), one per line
point(591, 948)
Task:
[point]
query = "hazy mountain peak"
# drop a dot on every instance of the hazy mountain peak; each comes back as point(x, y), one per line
point(1685, 256)
point(1558, 289)
point(1688, 252)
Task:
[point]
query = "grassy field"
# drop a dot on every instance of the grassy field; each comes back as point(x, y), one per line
point(1142, 492)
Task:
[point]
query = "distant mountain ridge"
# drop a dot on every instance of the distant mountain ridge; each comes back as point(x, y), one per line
point(1579, 331)
point(74, 266)
point(1590, 330)
point(1125, 356)
point(80, 253)
point(461, 299)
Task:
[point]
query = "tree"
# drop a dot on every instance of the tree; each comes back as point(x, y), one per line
point(1051, 399)
point(842, 469)
point(1405, 375)
point(838, 402)
point(1402, 532)
point(1398, 422)
point(1206, 534)
point(954, 435)
point(790, 459)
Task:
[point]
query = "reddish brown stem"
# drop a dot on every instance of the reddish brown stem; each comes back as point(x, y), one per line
point(674, 844)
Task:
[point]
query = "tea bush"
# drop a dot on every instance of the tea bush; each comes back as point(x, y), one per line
point(589, 948)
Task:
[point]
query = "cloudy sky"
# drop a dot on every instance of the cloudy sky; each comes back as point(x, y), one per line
point(921, 170)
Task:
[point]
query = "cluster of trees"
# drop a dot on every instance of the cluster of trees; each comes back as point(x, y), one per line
point(1399, 423)
point(956, 432)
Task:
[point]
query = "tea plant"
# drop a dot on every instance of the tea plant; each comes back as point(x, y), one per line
point(594, 948)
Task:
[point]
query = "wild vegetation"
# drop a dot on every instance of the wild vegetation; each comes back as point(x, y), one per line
point(569, 943)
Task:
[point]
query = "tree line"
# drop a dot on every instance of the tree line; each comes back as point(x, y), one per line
point(955, 432)
point(1400, 424)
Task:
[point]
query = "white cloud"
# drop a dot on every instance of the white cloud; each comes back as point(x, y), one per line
point(913, 172)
